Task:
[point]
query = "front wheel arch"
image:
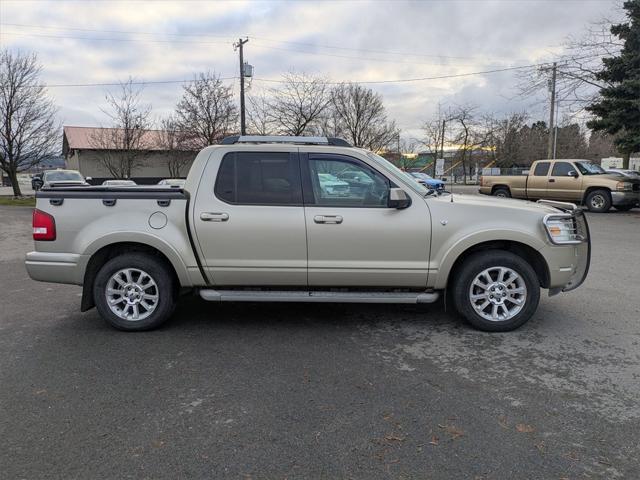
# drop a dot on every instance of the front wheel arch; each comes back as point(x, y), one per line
point(526, 252)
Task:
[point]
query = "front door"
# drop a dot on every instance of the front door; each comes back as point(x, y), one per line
point(565, 183)
point(250, 225)
point(354, 239)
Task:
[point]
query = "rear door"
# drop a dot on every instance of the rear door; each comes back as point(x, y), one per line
point(354, 239)
point(565, 183)
point(249, 219)
point(538, 181)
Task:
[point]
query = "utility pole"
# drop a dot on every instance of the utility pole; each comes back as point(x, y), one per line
point(239, 45)
point(435, 160)
point(552, 88)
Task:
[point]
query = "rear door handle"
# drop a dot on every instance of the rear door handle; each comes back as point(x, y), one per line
point(328, 219)
point(551, 180)
point(214, 217)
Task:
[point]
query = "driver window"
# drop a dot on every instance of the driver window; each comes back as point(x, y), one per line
point(344, 183)
point(562, 169)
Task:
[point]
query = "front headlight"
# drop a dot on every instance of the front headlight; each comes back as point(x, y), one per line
point(624, 186)
point(561, 229)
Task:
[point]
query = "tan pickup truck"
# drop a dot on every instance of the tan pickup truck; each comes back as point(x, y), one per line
point(576, 181)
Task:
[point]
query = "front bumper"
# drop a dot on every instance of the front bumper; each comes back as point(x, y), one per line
point(625, 198)
point(55, 267)
point(569, 264)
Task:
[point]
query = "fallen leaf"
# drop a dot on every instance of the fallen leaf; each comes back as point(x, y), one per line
point(540, 446)
point(604, 461)
point(571, 455)
point(502, 421)
point(392, 437)
point(434, 440)
point(524, 428)
point(452, 430)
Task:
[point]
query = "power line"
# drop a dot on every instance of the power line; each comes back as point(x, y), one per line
point(328, 82)
point(255, 37)
point(135, 40)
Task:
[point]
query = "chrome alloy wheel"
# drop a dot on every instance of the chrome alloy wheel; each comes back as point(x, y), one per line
point(132, 294)
point(498, 294)
point(598, 201)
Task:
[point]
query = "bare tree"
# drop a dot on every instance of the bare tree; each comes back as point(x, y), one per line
point(465, 134)
point(172, 141)
point(28, 130)
point(206, 112)
point(360, 115)
point(259, 119)
point(434, 134)
point(124, 145)
point(577, 84)
point(299, 104)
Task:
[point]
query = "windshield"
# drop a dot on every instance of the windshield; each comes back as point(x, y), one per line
point(63, 176)
point(390, 167)
point(588, 168)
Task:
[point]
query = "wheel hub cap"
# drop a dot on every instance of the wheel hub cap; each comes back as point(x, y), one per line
point(498, 293)
point(132, 294)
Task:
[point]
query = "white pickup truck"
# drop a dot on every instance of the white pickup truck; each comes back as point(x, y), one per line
point(257, 221)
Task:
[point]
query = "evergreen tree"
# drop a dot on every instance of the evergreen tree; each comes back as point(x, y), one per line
point(617, 112)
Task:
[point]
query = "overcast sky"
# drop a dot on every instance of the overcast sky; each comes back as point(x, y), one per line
point(82, 42)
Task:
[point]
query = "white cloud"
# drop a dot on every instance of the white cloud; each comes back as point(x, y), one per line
point(481, 35)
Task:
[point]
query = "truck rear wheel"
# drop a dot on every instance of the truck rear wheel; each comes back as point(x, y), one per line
point(495, 290)
point(134, 292)
point(502, 192)
point(598, 201)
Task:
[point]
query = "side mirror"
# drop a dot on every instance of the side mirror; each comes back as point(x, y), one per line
point(398, 198)
point(572, 173)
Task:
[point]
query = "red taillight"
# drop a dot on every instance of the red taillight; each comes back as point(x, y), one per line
point(44, 226)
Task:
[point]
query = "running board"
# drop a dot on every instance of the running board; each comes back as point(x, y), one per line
point(318, 297)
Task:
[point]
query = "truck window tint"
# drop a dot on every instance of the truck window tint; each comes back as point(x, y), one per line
point(562, 169)
point(256, 178)
point(347, 184)
point(541, 170)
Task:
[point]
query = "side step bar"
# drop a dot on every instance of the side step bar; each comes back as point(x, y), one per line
point(319, 297)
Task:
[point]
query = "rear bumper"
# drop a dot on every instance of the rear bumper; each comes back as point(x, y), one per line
point(625, 198)
point(55, 267)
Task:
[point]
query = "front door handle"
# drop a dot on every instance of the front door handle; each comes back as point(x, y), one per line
point(551, 180)
point(328, 219)
point(214, 217)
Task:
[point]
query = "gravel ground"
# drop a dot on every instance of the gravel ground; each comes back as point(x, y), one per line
point(323, 391)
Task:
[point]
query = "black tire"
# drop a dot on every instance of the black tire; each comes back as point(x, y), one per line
point(155, 268)
point(473, 266)
point(623, 208)
point(598, 201)
point(503, 192)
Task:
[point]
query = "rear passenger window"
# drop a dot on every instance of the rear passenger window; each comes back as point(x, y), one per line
point(541, 170)
point(256, 178)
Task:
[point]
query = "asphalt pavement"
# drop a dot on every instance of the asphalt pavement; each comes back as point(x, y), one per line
point(323, 391)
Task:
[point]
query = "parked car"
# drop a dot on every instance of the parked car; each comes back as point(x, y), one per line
point(332, 185)
point(429, 181)
point(119, 183)
point(60, 177)
point(173, 182)
point(625, 173)
point(250, 226)
point(577, 181)
point(36, 181)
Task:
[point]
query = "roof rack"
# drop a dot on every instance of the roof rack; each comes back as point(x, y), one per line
point(333, 141)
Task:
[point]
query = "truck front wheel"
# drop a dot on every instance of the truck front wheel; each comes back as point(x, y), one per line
point(134, 292)
point(598, 201)
point(495, 290)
